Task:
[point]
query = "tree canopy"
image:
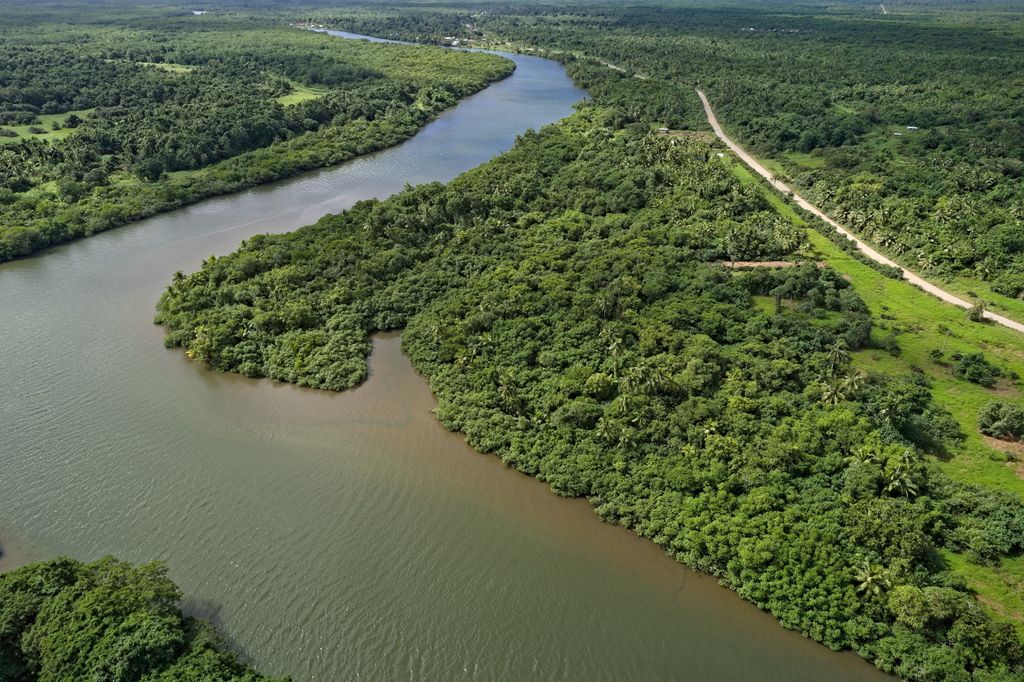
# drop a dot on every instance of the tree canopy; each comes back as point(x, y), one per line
point(107, 620)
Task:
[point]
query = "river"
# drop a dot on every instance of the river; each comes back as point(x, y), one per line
point(335, 536)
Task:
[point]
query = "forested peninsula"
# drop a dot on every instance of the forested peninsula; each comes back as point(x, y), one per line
point(560, 302)
point(101, 125)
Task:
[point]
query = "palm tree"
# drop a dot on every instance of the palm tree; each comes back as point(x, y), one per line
point(615, 351)
point(901, 479)
point(872, 579)
point(853, 383)
point(832, 393)
point(623, 404)
point(838, 357)
point(508, 393)
point(865, 454)
point(605, 430)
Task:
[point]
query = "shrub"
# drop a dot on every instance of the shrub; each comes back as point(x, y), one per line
point(976, 313)
point(1001, 420)
point(975, 368)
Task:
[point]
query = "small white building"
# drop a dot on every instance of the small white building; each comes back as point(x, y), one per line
point(911, 127)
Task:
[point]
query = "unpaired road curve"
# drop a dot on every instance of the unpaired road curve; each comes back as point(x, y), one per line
point(911, 277)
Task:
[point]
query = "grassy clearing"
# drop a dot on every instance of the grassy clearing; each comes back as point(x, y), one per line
point(705, 136)
point(172, 68)
point(300, 93)
point(921, 323)
point(1000, 588)
point(805, 161)
point(970, 289)
point(46, 123)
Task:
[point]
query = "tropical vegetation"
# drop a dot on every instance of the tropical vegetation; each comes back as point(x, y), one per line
point(906, 124)
point(106, 620)
point(105, 125)
point(829, 442)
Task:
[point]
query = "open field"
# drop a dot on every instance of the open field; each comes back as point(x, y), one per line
point(46, 123)
point(301, 93)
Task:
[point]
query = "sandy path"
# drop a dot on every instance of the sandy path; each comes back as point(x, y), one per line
point(911, 277)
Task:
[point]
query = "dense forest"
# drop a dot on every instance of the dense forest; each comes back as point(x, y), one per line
point(560, 302)
point(108, 620)
point(907, 126)
point(102, 125)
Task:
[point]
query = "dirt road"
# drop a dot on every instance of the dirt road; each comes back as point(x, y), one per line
point(911, 277)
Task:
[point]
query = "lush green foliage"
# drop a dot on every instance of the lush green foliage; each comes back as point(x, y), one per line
point(108, 620)
point(167, 111)
point(830, 92)
point(558, 302)
point(975, 368)
point(1001, 420)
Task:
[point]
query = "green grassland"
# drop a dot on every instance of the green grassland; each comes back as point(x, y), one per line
point(169, 67)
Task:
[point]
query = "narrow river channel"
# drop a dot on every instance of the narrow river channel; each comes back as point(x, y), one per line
point(335, 536)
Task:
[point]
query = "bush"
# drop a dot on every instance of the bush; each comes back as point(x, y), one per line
point(976, 313)
point(975, 368)
point(890, 345)
point(1001, 420)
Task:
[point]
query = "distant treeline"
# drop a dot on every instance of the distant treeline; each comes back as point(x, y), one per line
point(162, 117)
